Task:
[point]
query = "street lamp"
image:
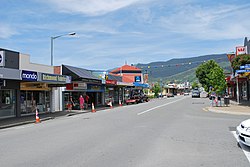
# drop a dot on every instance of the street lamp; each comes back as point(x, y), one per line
point(52, 40)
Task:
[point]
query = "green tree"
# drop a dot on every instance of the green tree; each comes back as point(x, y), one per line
point(195, 85)
point(217, 80)
point(156, 89)
point(239, 61)
point(211, 74)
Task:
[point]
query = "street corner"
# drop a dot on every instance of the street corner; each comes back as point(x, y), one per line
point(234, 110)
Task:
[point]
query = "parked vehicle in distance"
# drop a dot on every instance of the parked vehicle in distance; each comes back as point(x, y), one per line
point(243, 132)
point(203, 94)
point(186, 94)
point(170, 95)
point(134, 100)
point(137, 96)
point(195, 93)
point(144, 98)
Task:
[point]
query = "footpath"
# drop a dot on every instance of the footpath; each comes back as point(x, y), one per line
point(233, 108)
point(17, 121)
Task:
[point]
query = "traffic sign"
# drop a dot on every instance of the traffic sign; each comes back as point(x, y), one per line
point(242, 71)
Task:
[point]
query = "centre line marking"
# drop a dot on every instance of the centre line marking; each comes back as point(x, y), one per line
point(159, 106)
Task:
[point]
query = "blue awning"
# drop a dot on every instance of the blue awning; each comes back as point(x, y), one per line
point(137, 84)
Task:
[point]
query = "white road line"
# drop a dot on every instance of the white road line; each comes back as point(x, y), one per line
point(159, 106)
point(247, 153)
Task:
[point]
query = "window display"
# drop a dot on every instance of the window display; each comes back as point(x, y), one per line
point(7, 103)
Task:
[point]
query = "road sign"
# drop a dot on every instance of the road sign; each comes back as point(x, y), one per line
point(242, 71)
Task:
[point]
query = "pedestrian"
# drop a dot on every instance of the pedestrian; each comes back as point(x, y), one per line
point(81, 102)
point(87, 100)
point(70, 104)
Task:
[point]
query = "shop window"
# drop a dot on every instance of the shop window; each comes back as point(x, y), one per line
point(30, 100)
point(7, 103)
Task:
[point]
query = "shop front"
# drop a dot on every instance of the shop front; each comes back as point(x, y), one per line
point(9, 91)
point(92, 93)
point(111, 92)
point(124, 89)
point(83, 83)
point(37, 91)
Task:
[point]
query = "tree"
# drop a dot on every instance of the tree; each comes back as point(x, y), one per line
point(211, 74)
point(239, 61)
point(217, 80)
point(195, 85)
point(156, 89)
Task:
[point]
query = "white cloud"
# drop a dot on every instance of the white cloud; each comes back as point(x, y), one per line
point(220, 22)
point(91, 7)
point(6, 31)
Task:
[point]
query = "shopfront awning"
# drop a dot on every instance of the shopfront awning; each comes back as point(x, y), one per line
point(79, 73)
point(137, 84)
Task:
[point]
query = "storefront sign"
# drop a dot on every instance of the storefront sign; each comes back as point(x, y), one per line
point(80, 86)
point(242, 71)
point(245, 67)
point(8, 73)
point(55, 78)
point(95, 88)
point(111, 82)
point(125, 83)
point(2, 58)
point(29, 75)
point(137, 78)
point(240, 50)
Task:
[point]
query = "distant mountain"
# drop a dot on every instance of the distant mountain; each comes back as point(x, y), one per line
point(182, 69)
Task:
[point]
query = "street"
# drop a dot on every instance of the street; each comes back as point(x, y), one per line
point(163, 132)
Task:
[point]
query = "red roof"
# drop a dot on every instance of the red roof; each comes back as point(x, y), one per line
point(126, 68)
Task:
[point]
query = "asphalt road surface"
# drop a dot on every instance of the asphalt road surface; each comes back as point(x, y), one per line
point(163, 132)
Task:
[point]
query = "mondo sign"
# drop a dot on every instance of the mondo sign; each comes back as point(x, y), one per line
point(29, 75)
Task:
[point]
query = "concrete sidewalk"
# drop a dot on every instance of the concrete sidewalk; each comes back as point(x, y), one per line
point(232, 108)
point(17, 121)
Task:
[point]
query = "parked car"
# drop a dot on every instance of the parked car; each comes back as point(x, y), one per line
point(195, 93)
point(243, 132)
point(137, 99)
point(133, 99)
point(144, 98)
point(186, 94)
point(204, 94)
point(170, 95)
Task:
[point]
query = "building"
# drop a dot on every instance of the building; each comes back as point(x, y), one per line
point(132, 79)
point(27, 86)
point(239, 81)
point(83, 83)
point(9, 84)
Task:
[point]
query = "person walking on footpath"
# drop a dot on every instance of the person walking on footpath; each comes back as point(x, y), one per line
point(70, 104)
point(81, 102)
point(87, 101)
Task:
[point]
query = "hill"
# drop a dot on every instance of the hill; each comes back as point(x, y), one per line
point(182, 69)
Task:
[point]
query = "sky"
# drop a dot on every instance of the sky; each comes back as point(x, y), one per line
point(111, 33)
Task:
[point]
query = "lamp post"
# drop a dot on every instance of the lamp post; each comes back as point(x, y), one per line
point(52, 43)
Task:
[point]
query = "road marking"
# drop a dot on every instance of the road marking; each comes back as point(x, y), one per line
point(159, 106)
point(205, 109)
point(244, 148)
